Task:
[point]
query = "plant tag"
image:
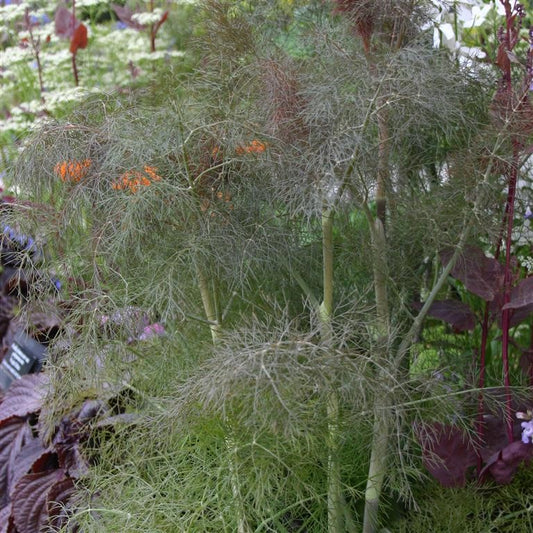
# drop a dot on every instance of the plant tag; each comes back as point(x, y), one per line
point(25, 355)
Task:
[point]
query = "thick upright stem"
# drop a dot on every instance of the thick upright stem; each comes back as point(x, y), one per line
point(326, 307)
point(380, 435)
point(210, 310)
point(383, 164)
point(336, 522)
point(208, 303)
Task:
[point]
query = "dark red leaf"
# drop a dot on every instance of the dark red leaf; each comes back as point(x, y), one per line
point(24, 396)
point(455, 313)
point(79, 39)
point(30, 500)
point(14, 432)
point(502, 58)
point(504, 463)
point(447, 453)
point(72, 459)
point(481, 275)
point(125, 15)
point(65, 24)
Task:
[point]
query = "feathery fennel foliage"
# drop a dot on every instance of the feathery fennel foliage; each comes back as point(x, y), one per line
point(206, 211)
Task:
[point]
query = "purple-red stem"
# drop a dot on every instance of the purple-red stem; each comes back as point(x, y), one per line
point(74, 67)
point(509, 41)
point(481, 384)
point(152, 29)
point(507, 288)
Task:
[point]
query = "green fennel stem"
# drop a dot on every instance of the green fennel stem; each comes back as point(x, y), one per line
point(336, 510)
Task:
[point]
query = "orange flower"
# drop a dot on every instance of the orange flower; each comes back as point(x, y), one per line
point(255, 147)
point(72, 171)
point(133, 179)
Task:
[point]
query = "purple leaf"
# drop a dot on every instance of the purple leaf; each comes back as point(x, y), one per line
point(125, 15)
point(457, 314)
point(59, 494)
point(504, 463)
point(24, 396)
point(447, 453)
point(14, 432)
point(481, 275)
point(30, 500)
point(526, 362)
point(65, 23)
point(521, 295)
point(5, 519)
point(32, 451)
point(495, 432)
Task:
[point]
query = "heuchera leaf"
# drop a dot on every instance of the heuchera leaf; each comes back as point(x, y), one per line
point(446, 453)
point(65, 23)
point(481, 275)
point(454, 312)
point(24, 396)
point(504, 463)
point(31, 499)
point(79, 39)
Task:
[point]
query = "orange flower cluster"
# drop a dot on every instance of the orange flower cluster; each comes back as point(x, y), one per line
point(133, 179)
point(255, 147)
point(72, 171)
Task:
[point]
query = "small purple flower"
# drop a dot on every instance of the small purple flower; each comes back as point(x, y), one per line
point(527, 431)
point(528, 215)
point(153, 330)
point(57, 283)
point(121, 25)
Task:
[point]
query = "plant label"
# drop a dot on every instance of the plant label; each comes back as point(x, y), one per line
point(25, 355)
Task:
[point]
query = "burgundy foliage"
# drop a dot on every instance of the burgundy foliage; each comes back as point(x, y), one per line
point(447, 453)
point(503, 465)
point(37, 476)
point(456, 313)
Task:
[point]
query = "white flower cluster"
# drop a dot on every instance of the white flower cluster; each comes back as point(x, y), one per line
point(115, 57)
point(451, 19)
point(148, 18)
point(12, 12)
